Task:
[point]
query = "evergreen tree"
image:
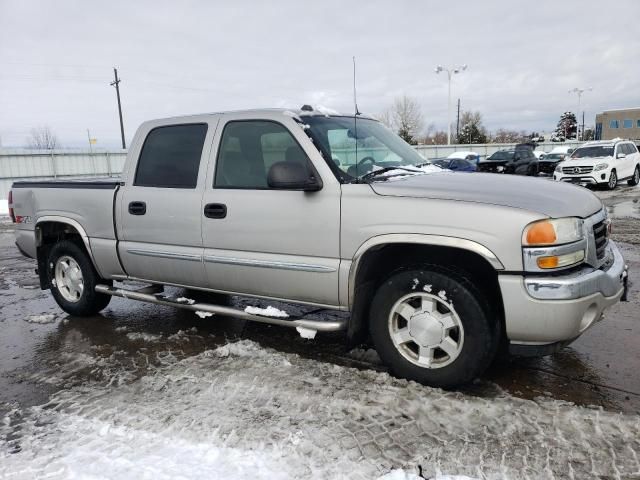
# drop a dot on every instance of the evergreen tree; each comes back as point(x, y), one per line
point(567, 126)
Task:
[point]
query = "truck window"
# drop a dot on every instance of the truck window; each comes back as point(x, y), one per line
point(170, 156)
point(249, 148)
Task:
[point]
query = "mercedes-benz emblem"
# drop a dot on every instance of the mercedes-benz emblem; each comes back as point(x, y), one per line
point(576, 169)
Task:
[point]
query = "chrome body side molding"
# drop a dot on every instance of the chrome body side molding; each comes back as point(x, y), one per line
point(248, 262)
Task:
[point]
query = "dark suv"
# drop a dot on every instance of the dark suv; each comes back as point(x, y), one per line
point(519, 161)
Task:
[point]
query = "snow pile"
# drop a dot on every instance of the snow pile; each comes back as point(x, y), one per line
point(267, 312)
point(245, 412)
point(41, 319)
point(143, 336)
point(4, 207)
point(186, 300)
point(204, 314)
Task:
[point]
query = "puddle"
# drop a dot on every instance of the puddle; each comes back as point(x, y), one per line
point(629, 208)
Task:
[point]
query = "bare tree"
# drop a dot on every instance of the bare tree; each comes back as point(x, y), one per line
point(405, 117)
point(504, 135)
point(438, 137)
point(42, 138)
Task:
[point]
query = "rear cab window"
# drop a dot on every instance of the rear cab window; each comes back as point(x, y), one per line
point(170, 156)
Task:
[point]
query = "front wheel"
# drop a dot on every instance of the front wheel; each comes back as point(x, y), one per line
point(73, 280)
point(613, 180)
point(432, 326)
point(635, 179)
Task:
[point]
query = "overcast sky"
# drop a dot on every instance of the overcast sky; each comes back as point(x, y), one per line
point(176, 58)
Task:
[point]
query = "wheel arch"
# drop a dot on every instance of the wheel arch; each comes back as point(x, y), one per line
point(383, 254)
point(50, 229)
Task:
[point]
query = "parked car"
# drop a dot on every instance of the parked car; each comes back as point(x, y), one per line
point(471, 156)
point(519, 161)
point(601, 163)
point(437, 269)
point(549, 162)
point(455, 164)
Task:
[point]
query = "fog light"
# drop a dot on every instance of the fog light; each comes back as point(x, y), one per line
point(603, 176)
point(556, 261)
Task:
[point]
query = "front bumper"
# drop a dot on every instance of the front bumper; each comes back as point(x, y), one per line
point(548, 310)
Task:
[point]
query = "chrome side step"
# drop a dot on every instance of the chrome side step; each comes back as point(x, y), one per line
point(300, 323)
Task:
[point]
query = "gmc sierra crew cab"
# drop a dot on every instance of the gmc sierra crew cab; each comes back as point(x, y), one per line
point(439, 271)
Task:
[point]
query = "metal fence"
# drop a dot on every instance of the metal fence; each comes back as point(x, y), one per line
point(44, 164)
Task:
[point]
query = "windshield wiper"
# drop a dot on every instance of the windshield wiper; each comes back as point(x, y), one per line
point(375, 173)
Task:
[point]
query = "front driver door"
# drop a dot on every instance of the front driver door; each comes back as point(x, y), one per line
point(265, 242)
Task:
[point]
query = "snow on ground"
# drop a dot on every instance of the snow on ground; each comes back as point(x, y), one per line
point(243, 411)
point(42, 319)
point(4, 207)
point(267, 312)
point(143, 336)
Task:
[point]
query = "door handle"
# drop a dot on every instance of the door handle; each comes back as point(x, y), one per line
point(137, 208)
point(215, 210)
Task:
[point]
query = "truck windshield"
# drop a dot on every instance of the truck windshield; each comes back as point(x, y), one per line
point(593, 152)
point(359, 147)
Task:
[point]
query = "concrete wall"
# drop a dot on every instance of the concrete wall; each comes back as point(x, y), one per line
point(44, 165)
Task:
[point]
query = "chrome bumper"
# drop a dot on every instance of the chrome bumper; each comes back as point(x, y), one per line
point(541, 311)
point(607, 280)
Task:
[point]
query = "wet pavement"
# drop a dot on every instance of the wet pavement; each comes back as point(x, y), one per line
point(45, 354)
point(600, 368)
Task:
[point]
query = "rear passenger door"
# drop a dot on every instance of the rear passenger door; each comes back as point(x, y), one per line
point(160, 206)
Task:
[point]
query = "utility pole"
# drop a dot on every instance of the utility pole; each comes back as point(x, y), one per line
point(583, 125)
point(116, 84)
point(458, 121)
point(89, 138)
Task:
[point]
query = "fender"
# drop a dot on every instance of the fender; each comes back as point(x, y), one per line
point(73, 223)
point(421, 239)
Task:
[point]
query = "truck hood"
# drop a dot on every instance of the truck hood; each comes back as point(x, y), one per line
point(554, 199)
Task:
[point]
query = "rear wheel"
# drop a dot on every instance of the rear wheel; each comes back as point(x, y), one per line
point(532, 170)
point(635, 179)
point(432, 326)
point(73, 280)
point(613, 180)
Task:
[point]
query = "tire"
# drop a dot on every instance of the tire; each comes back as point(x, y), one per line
point(613, 180)
point(635, 179)
point(73, 280)
point(532, 171)
point(461, 324)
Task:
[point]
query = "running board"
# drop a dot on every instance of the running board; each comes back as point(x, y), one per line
point(301, 323)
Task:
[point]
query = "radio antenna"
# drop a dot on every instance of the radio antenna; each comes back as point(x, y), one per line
point(355, 99)
point(355, 115)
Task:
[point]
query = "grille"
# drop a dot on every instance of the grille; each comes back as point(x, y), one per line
point(577, 170)
point(600, 234)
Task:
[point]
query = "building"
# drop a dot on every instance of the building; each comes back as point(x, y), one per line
point(622, 123)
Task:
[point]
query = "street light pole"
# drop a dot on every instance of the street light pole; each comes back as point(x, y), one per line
point(579, 92)
point(450, 72)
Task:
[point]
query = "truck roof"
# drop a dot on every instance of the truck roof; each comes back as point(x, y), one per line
point(305, 111)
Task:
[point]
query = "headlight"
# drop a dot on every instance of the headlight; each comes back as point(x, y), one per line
point(553, 232)
point(601, 166)
point(558, 168)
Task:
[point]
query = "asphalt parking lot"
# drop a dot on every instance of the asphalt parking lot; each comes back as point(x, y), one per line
point(52, 360)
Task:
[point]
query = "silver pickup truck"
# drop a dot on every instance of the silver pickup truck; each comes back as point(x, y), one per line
point(439, 270)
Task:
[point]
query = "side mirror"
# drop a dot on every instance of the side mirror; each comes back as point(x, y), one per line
point(293, 176)
point(622, 155)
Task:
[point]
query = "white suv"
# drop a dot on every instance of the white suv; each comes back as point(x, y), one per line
point(601, 163)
